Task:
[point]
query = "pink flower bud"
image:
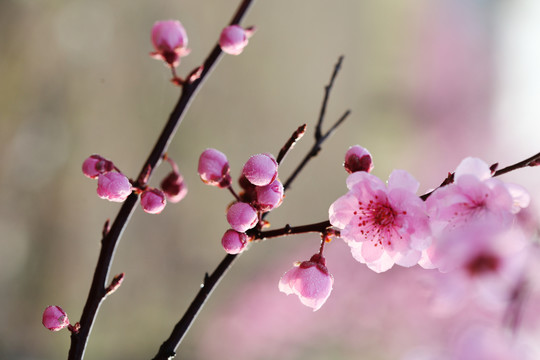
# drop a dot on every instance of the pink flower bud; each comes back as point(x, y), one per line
point(261, 169)
point(54, 318)
point(214, 168)
point(113, 186)
point(170, 41)
point(96, 165)
point(269, 196)
point(358, 159)
point(174, 187)
point(234, 39)
point(310, 280)
point(242, 216)
point(153, 201)
point(234, 242)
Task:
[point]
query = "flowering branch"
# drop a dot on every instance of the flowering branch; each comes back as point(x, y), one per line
point(531, 161)
point(168, 349)
point(98, 289)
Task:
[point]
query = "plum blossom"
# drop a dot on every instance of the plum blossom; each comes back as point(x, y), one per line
point(310, 280)
point(113, 186)
point(242, 216)
point(234, 39)
point(261, 169)
point(214, 168)
point(170, 41)
point(475, 195)
point(54, 318)
point(475, 200)
point(358, 158)
point(382, 225)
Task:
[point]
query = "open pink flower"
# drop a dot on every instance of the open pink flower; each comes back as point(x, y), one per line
point(310, 280)
point(475, 195)
point(382, 225)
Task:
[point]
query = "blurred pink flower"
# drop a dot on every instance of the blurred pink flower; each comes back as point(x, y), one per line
point(382, 225)
point(310, 280)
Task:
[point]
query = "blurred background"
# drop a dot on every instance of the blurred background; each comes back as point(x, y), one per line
point(428, 82)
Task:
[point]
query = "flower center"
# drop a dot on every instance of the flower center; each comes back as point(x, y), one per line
point(383, 215)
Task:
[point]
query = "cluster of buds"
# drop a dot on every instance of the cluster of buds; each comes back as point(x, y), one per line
point(262, 192)
point(112, 184)
point(115, 186)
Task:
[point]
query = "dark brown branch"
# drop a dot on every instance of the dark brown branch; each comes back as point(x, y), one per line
point(292, 230)
point(110, 240)
point(297, 135)
point(327, 89)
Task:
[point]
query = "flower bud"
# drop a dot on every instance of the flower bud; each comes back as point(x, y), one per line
point(234, 39)
point(96, 165)
point(261, 169)
point(242, 216)
point(54, 318)
point(170, 41)
point(214, 168)
point(174, 187)
point(310, 280)
point(269, 196)
point(113, 186)
point(234, 242)
point(153, 201)
point(358, 159)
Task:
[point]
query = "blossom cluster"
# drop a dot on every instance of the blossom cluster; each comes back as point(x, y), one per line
point(115, 186)
point(468, 226)
point(262, 192)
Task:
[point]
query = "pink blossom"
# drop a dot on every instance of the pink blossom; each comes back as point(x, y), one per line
point(269, 196)
point(234, 38)
point(242, 216)
point(358, 158)
point(153, 201)
point(174, 187)
point(310, 280)
point(382, 225)
point(261, 169)
point(234, 242)
point(96, 165)
point(474, 195)
point(113, 186)
point(170, 41)
point(214, 168)
point(54, 318)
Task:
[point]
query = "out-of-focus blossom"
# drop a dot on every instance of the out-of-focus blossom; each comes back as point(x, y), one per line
point(261, 169)
point(113, 186)
point(310, 280)
point(234, 242)
point(214, 168)
point(242, 216)
point(234, 38)
point(358, 158)
point(170, 41)
point(473, 196)
point(153, 201)
point(382, 225)
point(54, 318)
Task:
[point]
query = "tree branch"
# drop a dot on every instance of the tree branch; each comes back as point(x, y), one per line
point(110, 240)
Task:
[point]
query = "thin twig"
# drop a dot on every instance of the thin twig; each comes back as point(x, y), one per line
point(327, 89)
point(111, 239)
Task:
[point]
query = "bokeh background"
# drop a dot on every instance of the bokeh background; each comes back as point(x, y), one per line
point(429, 82)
